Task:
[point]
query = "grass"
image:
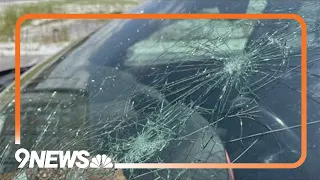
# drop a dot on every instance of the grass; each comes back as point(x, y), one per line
point(12, 13)
point(102, 2)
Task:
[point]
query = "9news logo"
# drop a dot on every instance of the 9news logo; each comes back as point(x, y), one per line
point(60, 159)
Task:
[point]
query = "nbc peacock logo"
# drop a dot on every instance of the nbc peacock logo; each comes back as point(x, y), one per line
point(101, 161)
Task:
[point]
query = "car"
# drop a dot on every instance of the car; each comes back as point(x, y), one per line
point(178, 91)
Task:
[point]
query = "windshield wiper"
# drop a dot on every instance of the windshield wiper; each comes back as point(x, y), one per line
point(7, 77)
point(55, 90)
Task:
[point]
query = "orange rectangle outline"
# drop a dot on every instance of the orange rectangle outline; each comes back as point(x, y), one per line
point(296, 17)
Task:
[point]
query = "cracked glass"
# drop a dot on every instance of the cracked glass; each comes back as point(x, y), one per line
point(166, 91)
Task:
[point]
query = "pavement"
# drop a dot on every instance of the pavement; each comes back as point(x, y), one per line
point(31, 53)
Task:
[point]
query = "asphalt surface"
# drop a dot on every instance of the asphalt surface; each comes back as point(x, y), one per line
point(7, 62)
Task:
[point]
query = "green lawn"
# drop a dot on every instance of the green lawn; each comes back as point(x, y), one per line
point(11, 14)
point(107, 2)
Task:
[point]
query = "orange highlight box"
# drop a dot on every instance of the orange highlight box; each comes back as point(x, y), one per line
point(181, 16)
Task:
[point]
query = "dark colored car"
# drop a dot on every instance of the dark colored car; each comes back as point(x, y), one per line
point(179, 91)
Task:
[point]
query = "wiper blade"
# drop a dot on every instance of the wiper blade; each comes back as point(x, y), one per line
point(55, 90)
point(7, 77)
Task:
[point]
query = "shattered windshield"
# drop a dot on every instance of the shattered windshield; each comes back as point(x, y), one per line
point(177, 91)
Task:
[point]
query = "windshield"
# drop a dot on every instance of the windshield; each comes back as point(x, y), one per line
point(179, 91)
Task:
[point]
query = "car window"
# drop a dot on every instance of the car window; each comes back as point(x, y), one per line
point(189, 39)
